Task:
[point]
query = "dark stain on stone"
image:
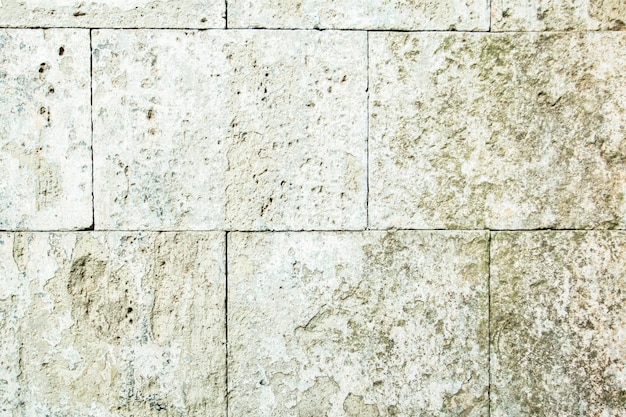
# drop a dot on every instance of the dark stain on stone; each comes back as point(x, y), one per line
point(100, 300)
point(43, 68)
point(85, 274)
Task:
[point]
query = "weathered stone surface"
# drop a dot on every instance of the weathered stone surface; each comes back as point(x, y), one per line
point(358, 14)
point(558, 316)
point(112, 324)
point(502, 131)
point(241, 129)
point(358, 324)
point(113, 13)
point(45, 138)
point(520, 15)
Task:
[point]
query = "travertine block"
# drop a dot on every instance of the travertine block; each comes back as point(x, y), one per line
point(501, 131)
point(113, 13)
point(45, 138)
point(240, 129)
point(558, 319)
point(112, 324)
point(358, 324)
point(520, 15)
point(359, 14)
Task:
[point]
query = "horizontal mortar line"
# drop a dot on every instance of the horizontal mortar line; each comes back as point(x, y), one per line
point(391, 230)
point(490, 32)
point(197, 29)
point(495, 32)
point(112, 28)
point(241, 28)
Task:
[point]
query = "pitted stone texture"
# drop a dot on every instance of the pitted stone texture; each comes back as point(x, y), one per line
point(113, 13)
point(521, 15)
point(241, 129)
point(112, 324)
point(358, 324)
point(558, 318)
point(45, 138)
point(501, 131)
point(359, 14)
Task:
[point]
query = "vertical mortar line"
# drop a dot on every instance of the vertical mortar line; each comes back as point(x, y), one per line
point(490, 11)
point(226, 241)
point(93, 200)
point(489, 324)
point(367, 139)
point(225, 14)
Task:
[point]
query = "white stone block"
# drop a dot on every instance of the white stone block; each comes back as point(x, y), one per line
point(112, 324)
point(230, 129)
point(358, 324)
point(45, 137)
point(359, 14)
point(113, 13)
point(525, 15)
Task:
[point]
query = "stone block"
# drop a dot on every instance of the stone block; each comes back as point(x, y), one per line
point(45, 130)
point(498, 131)
point(524, 15)
point(113, 13)
point(358, 14)
point(358, 324)
point(112, 324)
point(558, 315)
point(246, 130)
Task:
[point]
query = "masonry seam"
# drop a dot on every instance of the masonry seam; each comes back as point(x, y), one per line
point(489, 13)
point(226, 243)
point(489, 324)
point(391, 230)
point(367, 139)
point(516, 32)
point(225, 14)
point(93, 173)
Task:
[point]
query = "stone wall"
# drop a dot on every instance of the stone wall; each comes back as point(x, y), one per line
point(312, 208)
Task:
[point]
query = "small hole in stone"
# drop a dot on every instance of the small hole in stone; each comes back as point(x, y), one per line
point(61, 51)
point(129, 310)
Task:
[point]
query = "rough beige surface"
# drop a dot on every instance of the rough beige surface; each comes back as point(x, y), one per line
point(524, 15)
point(504, 131)
point(558, 316)
point(112, 324)
point(241, 129)
point(113, 13)
point(45, 138)
point(358, 324)
point(359, 14)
